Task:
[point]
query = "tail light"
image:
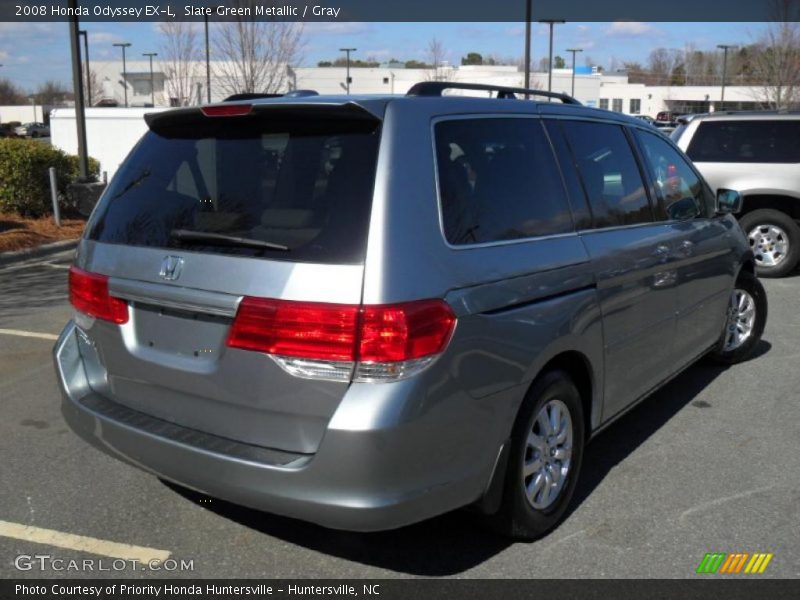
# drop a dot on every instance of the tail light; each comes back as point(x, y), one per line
point(343, 341)
point(88, 292)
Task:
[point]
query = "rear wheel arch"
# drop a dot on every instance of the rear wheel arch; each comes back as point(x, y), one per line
point(780, 202)
point(578, 367)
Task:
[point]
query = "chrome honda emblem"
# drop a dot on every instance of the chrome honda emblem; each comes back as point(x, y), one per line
point(171, 268)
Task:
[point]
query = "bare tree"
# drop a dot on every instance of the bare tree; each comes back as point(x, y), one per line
point(255, 55)
point(52, 93)
point(96, 86)
point(179, 53)
point(10, 93)
point(776, 62)
point(437, 59)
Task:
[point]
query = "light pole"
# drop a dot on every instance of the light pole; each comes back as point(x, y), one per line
point(574, 51)
point(550, 22)
point(208, 61)
point(347, 81)
point(528, 18)
point(85, 35)
point(724, 48)
point(124, 70)
point(150, 55)
point(77, 87)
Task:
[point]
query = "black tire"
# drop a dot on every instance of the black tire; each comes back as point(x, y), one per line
point(768, 216)
point(517, 517)
point(34, 135)
point(750, 284)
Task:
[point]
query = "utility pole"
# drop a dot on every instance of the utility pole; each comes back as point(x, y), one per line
point(85, 34)
point(77, 84)
point(208, 62)
point(152, 84)
point(550, 22)
point(724, 48)
point(124, 70)
point(348, 51)
point(528, 18)
point(574, 51)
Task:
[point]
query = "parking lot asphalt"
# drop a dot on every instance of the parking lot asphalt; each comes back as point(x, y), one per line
point(708, 464)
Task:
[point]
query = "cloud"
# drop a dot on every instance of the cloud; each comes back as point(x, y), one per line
point(4, 55)
point(338, 28)
point(103, 37)
point(631, 29)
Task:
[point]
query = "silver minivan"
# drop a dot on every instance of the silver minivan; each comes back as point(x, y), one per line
point(367, 311)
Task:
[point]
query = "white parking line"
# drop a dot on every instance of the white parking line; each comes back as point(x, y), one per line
point(31, 334)
point(81, 543)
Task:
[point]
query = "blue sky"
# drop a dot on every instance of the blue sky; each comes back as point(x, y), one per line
point(34, 52)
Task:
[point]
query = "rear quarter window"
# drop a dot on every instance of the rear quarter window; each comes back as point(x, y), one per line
point(301, 183)
point(758, 141)
point(498, 181)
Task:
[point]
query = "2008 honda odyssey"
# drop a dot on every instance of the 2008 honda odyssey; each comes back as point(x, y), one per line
point(364, 312)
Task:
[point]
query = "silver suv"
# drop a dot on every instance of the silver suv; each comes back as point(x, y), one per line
point(365, 312)
point(757, 154)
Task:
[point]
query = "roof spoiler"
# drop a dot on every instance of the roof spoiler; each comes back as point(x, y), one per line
point(180, 116)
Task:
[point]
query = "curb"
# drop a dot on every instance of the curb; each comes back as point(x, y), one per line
point(44, 250)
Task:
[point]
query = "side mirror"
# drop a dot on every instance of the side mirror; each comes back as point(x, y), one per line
point(728, 201)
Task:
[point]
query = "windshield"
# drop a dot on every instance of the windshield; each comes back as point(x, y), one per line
point(299, 184)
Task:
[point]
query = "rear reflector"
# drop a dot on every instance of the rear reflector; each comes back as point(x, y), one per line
point(316, 340)
point(227, 110)
point(88, 292)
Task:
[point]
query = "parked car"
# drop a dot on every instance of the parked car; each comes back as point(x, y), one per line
point(33, 130)
point(6, 131)
point(364, 312)
point(757, 153)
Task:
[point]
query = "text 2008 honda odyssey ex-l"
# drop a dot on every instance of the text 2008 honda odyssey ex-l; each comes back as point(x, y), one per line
point(364, 312)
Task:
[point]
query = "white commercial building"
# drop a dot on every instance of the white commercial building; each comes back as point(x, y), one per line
point(112, 132)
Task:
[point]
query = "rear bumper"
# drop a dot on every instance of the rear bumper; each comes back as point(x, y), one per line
point(362, 478)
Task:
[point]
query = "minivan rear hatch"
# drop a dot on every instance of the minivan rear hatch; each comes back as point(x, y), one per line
point(214, 205)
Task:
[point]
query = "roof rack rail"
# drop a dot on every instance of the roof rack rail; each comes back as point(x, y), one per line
point(435, 88)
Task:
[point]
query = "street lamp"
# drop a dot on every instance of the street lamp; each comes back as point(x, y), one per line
point(724, 48)
point(150, 55)
point(550, 22)
point(574, 51)
point(208, 61)
point(85, 34)
point(124, 70)
point(347, 81)
point(528, 17)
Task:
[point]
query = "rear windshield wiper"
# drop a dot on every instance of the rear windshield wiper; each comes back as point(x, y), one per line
point(186, 235)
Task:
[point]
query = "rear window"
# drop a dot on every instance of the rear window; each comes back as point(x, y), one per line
point(292, 188)
point(498, 180)
point(763, 141)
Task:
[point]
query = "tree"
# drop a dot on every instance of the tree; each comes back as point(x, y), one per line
point(417, 64)
point(96, 87)
point(559, 62)
point(472, 58)
point(255, 55)
point(437, 56)
point(52, 93)
point(10, 94)
point(179, 53)
point(776, 65)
